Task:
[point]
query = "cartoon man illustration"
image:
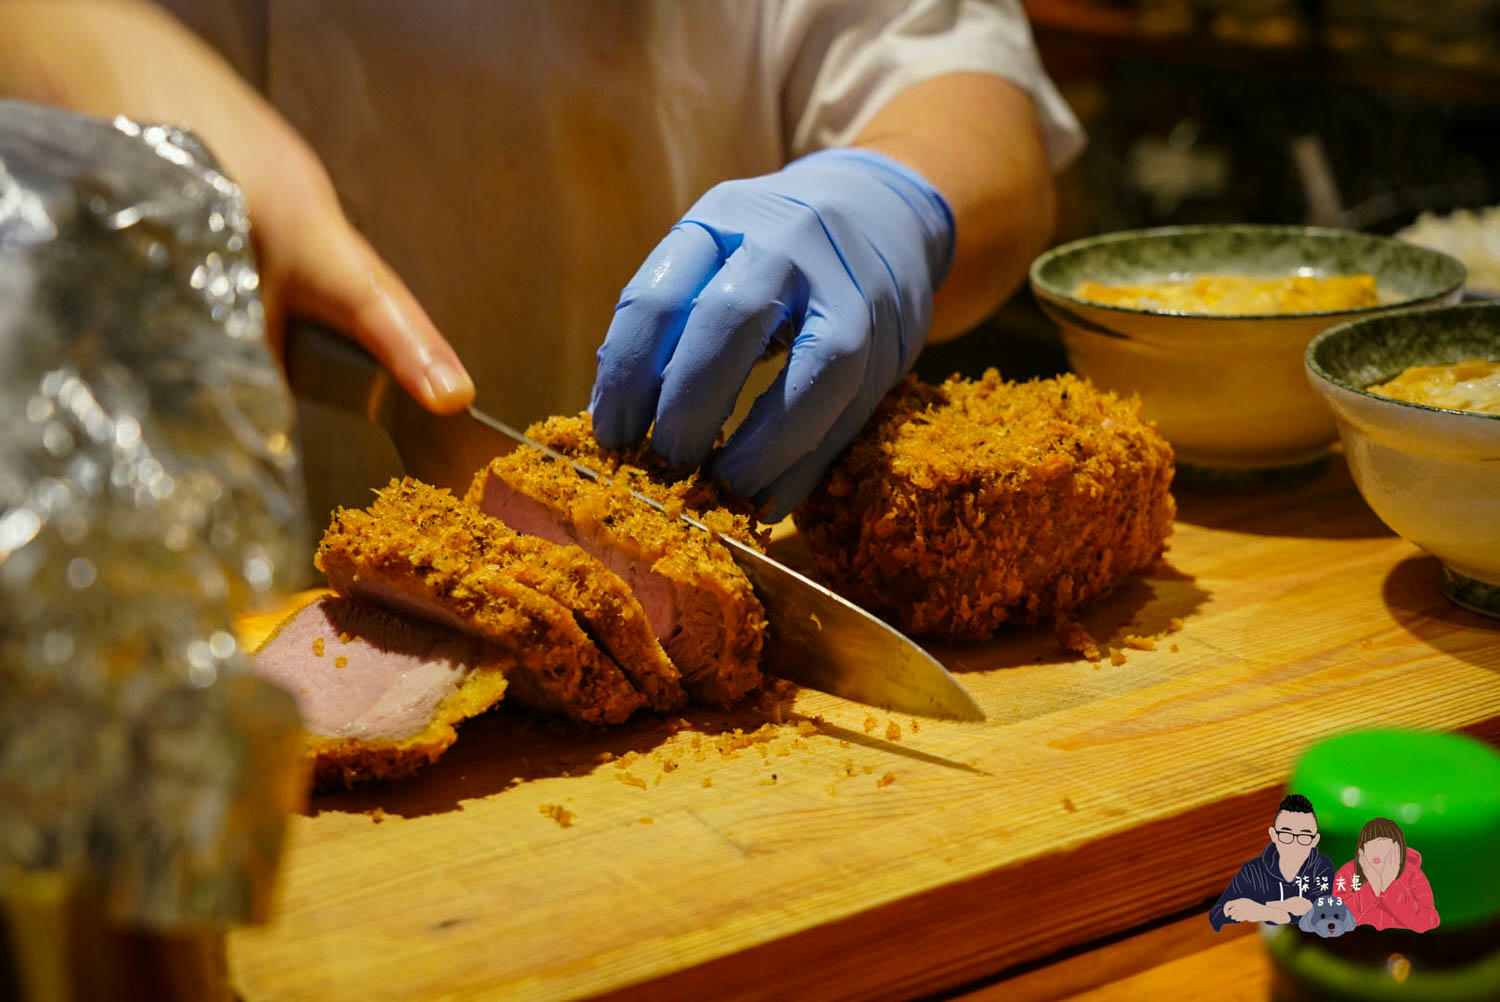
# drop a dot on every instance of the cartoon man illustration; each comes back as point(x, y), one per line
point(1278, 885)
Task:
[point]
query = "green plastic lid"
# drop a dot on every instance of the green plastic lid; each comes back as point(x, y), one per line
point(1443, 790)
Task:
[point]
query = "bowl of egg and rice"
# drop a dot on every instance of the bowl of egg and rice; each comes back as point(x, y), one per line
point(1416, 394)
point(1208, 324)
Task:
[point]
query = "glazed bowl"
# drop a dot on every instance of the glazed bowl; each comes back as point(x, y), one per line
point(1227, 391)
point(1431, 474)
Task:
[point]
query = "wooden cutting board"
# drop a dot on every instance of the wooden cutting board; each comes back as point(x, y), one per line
point(848, 852)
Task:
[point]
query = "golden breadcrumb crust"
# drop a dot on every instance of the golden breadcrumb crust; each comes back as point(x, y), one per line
point(568, 574)
point(346, 761)
point(703, 497)
point(422, 550)
point(974, 503)
point(690, 559)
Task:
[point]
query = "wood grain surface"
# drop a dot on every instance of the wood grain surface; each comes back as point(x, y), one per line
point(855, 861)
point(1182, 958)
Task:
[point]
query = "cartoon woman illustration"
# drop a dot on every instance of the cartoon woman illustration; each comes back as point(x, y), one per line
point(1384, 885)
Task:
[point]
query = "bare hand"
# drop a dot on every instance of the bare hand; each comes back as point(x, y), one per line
point(1297, 906)
point(134, 59)
point(1244, 910)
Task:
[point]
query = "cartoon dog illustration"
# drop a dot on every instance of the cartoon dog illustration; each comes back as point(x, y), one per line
point(1328, 917)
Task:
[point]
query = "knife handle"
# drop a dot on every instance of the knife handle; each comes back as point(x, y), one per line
point(328, 368)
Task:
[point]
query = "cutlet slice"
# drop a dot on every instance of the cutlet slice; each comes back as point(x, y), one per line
point(379, 693)
point(693, 490)
point(697, 599)
point(597, 597)
point(974, 503)
point(425, 555)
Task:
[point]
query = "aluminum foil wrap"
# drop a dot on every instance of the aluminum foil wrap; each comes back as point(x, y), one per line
point(148, 490)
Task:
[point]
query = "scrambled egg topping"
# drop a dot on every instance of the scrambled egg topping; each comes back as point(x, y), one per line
point(1470, 385)
point(1240, 294)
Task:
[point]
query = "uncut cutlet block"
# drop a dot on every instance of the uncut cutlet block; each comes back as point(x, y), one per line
point(966, 505)
point(699, 602)
point(423, 552)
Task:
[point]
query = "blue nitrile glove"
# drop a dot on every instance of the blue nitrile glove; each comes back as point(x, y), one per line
point(846, 248)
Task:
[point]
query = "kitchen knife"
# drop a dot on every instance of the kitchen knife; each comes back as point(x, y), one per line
point(815, 637)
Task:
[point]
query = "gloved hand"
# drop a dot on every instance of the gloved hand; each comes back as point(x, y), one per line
point(845, 247)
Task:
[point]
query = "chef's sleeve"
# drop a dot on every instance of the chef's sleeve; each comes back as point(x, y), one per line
point(838, 62)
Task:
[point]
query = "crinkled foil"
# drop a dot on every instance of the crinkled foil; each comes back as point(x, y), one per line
point(148, 489)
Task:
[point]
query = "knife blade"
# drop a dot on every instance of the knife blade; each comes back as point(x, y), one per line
point(815, 637)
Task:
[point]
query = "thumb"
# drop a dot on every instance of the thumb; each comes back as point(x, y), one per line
point(334, 277)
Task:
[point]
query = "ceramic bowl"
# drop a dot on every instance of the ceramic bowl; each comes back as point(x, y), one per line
point(1227, 391)
point(1431, 474)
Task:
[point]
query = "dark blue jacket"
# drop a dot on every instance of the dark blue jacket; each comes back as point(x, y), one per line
point(1260, 881)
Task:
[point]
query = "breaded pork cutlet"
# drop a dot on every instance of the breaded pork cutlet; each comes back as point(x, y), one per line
point(421, 551)
point(698, 600)
point(970, 504)
point(595, 595)
point(691, 490)
point(380, 693)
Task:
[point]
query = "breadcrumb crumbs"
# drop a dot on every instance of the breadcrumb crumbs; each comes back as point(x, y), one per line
point(340, 661)
point(806, 728)
point(1073, 637)
point(317, 647)
point(914, 727)
point(1174, 624)
point(630, 779)
point(344, 638)
point(1137, 642)
point(560, 814)
point(708, 781)
point(647, 821)
point(870, 723)
point(848, 767)
point(1116, 656)
point(1174, 648)
point(885, 780)
point(669, 766)
point(1068, 805)
point(892, 731)
point(377, 815)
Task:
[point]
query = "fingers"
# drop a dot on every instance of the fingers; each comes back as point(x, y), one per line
point(726, 333)
point(788, 489)
point(825, 371)
point(333, 276)
point(645, 330)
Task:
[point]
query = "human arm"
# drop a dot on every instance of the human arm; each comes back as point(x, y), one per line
point(112, 57)
point(977, 139)
point(1293, 907)
point(1237, 903)
point(1245, 910)
point(1409, 904)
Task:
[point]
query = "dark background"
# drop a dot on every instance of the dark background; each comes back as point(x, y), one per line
point(1352, 113)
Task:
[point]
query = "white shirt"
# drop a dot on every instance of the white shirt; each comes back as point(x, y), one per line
point(515, 160)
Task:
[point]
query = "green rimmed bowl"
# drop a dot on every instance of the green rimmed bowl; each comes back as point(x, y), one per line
point(1227, 391)
point(1431, 474)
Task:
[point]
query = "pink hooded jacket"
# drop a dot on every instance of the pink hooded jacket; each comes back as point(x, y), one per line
point(1406, 904)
